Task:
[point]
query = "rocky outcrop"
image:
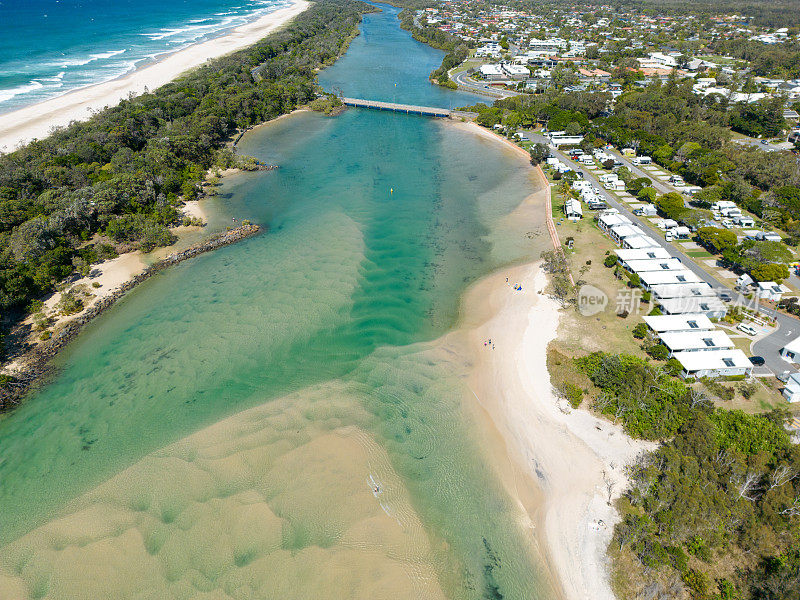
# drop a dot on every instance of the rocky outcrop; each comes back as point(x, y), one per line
point(36, 363)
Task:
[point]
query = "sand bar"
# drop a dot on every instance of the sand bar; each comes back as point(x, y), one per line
point(36, 121)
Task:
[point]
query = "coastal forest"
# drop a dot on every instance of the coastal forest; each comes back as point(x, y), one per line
point(115, 181)
point(715, 508)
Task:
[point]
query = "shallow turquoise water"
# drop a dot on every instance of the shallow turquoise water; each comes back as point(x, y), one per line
point(377, 222)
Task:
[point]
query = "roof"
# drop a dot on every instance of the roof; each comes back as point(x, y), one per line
point(706, 341)
point(610, 220)
point(640, 241)
point(713, 359)
point(642, 253)
point(624, 230)
point(686, 322)
point(772, 287)
point(689, 304)
point(683, 290)
point(793, 346)
point(654, 264)
point(656, 277)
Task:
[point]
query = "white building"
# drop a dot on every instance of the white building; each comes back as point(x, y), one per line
point(638, 242)
point(792, 389)
point(791, 351)
point(643, 265)
point(619, 232)
point(769, 290)
point(573, 209)
point(671, 323)
point(644, 254)
point(683, 290)
point(652, 278)
point(696, 341)
point(515, 71)
point(608, 220)
point(712, 307)
point(714, 363)
point(646, 210)
point(492, 72)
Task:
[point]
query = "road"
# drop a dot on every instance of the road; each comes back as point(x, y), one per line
point(769, 147)
point(463, 81)
point(659, 186)
point(767, 347)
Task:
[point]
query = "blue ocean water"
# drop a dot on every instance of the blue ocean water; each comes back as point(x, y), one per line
point(50, 47)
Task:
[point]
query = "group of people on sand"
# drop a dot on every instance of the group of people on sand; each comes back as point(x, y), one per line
point(488, 343)
point(517, 286)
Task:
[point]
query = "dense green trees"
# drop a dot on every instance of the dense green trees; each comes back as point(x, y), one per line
point(123, 172)
point(717, 506)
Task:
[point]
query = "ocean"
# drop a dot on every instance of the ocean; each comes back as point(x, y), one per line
point(288, 417)
point(50, 47)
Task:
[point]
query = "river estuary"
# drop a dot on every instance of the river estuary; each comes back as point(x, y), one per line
point(285, 418)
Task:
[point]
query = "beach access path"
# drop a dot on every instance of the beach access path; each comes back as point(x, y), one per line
point(37, 121)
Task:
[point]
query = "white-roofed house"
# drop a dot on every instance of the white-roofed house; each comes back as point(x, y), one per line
point(639, 241)
point(714, 363)
point(690, 322)
point(644, 265)
point(625, 255)
point(651, 278)
point(683, 290)
point(792, 389)
point(769, 290)
point(696, 341)
point(791, 351)
point(620, 232)
point(573, 209)
point(492, 72)
point(713, 308)
point(608, 220)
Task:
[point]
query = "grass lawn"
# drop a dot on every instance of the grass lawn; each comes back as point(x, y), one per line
point(698, 254)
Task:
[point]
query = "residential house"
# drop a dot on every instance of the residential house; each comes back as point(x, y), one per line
point(769, 290)
point(714, 363)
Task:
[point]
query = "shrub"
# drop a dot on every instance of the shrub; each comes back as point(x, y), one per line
point(658, 351)
point(610, 260)
point(573, 394)
point(70, 303)
point(640, 331)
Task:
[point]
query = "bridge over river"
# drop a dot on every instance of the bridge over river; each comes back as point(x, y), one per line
point(429, 111)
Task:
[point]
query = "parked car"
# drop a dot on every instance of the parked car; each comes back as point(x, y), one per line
point(758, 361)
point(747, 328)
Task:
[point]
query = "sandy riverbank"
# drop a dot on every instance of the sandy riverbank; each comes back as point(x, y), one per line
point(107, 277)
point(572, 456)
point(576, 459)
point(37, 120)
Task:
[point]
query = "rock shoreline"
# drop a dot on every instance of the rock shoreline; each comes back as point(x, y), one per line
point(36, 363)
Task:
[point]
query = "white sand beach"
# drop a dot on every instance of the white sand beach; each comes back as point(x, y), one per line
point(576, 459)
point(572, 455)
point(37, 120)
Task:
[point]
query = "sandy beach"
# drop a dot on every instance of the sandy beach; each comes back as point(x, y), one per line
point(576, 459)
point(37, 120)
point(572, 455)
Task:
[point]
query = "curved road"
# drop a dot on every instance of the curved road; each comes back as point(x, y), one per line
point(463, 81)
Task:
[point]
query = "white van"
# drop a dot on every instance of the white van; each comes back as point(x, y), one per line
point(642, 160)
point(747, 328)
